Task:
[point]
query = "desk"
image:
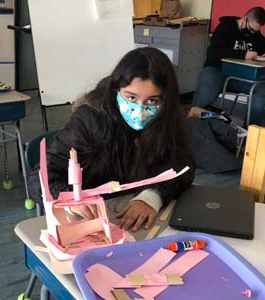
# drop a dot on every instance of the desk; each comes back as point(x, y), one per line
point(29, 231)
point(248, 71)
point(12, 96)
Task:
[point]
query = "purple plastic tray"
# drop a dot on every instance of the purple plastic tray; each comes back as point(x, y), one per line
point(222, 275)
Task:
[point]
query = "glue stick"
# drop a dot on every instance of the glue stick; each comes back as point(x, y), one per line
point(186, 245)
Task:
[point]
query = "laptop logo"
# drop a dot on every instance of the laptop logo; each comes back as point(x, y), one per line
point(212, 205)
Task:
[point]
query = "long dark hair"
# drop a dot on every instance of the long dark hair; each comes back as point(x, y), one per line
point(163, 139)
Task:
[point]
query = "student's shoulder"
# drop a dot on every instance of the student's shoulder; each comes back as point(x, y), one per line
point(227, 24)
point(86, 112)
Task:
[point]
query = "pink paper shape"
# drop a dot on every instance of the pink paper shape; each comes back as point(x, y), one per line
point(102, 280)
point(57, 221)
point(74, 232)
point(180, 267)
point(154, 264)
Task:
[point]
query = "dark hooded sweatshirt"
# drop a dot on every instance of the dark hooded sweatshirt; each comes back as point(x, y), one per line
point(228, 41)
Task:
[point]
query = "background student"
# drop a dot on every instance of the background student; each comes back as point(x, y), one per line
point(238, 38)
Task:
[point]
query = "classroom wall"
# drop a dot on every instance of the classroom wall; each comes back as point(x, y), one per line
point(198, 8)
point(7, 54)
point(232, 8)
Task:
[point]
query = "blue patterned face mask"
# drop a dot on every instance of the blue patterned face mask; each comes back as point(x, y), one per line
point(136, 115)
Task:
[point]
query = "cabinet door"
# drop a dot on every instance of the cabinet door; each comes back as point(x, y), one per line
point(143, 8)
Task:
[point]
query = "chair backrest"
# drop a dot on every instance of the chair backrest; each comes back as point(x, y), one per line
point(32, 153)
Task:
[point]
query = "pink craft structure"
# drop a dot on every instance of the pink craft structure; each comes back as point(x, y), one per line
point(66, 236)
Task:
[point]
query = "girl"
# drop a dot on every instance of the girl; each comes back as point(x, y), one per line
point(128, 128)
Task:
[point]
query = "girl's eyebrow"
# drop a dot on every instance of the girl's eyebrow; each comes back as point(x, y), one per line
point(133, 94)
point(130, 93)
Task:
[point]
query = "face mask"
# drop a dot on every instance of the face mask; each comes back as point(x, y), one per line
point(247, 32)
point(135, 115)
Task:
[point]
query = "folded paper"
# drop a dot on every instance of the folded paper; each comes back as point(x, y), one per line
point(66, 236)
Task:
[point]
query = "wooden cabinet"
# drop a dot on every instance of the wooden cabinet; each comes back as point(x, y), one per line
point(143, 8)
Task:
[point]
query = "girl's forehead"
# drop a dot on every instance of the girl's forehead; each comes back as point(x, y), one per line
point(140, 86)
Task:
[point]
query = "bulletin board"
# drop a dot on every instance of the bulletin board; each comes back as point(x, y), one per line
point(76, 43)
point(232, 8)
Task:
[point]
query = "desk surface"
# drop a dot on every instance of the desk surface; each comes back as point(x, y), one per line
point(249, 62)
point(12, 96)
point(29, 231)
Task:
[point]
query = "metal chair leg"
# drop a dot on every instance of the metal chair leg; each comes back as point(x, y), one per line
point(39, 210)
point(44, 293)
point(250, 103)
point(30, 286)
point(233, 105)
point(7, 183)
point(22, 157)
point(29, 204)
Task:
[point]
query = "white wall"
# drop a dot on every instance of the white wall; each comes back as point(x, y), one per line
point(7, 55)
point(198, 8)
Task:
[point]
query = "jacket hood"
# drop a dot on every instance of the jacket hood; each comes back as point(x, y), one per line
point(228, 18)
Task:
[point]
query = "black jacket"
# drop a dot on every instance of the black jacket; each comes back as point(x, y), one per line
point(86, 132)
point(228, 41)
point(214, 143)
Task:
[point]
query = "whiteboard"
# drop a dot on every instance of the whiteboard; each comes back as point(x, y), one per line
point(76, 43)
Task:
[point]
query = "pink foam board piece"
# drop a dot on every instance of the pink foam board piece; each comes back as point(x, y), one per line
point(180, 267)
point(102, 280)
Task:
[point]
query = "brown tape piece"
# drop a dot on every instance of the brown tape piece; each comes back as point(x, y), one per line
point(137, 279)
point(120, 294)
point(114, 186)
point(174, 279)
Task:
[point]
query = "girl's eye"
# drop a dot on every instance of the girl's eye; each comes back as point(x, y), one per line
point(131, 98)
point(153, 101)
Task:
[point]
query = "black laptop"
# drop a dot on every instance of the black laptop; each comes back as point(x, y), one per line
point(220, 211)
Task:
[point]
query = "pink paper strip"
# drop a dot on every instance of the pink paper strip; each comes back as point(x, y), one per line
point(154, 264)
point(74, 173)
point(180, 267)
point(44, 173)
point(102, 280)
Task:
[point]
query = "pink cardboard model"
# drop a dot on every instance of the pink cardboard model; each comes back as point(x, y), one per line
point(66, 236)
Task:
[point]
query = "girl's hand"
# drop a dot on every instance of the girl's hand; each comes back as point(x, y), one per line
point(135, 214)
